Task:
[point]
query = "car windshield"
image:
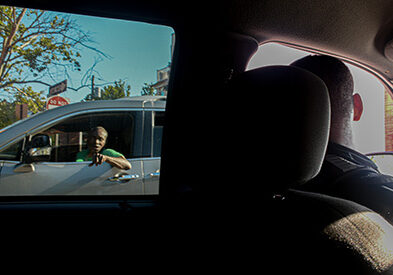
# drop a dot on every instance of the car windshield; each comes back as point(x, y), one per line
point(53, 60)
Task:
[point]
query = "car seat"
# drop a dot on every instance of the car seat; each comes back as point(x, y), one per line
point(311, 233)
point(254, 220)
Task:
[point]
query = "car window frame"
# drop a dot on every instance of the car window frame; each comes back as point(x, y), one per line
point(48, 124)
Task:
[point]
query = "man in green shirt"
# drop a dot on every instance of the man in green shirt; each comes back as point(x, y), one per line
point(97, 155)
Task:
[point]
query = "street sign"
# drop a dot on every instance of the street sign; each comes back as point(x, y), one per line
point(58, 88)
point(56, 101)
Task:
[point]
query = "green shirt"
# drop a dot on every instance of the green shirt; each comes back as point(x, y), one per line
point(82, 155)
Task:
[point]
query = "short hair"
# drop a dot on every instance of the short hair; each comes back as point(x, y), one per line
point(98, 128)
point(337, 78)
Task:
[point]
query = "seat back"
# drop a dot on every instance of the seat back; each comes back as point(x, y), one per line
point(285, 120)
point(300, 231)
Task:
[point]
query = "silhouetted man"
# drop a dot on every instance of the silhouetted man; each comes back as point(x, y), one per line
point(97, 154)
point(345, 172)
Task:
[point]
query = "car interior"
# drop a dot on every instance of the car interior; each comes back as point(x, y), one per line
point(236, 144)
point(71, 135)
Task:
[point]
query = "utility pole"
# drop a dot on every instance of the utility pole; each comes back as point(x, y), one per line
point(92, 86)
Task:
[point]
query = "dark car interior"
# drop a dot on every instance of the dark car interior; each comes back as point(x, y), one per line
point(265, 224)
point(120, 135)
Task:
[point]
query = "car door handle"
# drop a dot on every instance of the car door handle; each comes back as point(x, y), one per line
point(121, 178)
point(155, 174)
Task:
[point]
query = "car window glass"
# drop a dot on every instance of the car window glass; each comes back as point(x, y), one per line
point(70, 136)
point(384, 162)
point(12, 152)
point(158, 126)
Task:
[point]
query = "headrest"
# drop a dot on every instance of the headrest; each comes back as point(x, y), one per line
point(287, 123)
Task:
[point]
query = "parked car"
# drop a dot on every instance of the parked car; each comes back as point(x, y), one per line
point(134, 128)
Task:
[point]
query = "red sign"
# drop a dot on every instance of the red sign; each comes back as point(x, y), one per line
point(56, 101)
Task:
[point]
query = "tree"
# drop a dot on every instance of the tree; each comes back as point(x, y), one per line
point(148, 89)
point(35, 103)
point(7, 113)
point(35, 100)
point(119, 90)
point(35, 44)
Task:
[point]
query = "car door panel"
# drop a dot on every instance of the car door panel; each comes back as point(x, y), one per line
point(70, 178)
point(151, 168)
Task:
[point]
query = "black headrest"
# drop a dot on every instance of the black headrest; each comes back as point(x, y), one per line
point(287, 123)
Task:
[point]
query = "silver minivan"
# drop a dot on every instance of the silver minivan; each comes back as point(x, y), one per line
point(54, 137)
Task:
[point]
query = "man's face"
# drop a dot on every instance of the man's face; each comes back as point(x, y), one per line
point(96, 140)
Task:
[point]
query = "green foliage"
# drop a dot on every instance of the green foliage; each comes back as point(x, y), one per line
point(35, 103)
point(7, 113)
point(118, 90)
point(148, 89)
point(36, 43)
point(35, 100)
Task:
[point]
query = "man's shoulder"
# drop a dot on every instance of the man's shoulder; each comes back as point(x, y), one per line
point(348, 156)
point(352, 168)
point(111, 153)
point(343, 166)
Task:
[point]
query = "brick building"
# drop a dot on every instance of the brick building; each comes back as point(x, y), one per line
point(388, 121)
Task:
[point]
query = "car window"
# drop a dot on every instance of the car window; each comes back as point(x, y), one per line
point(12, 152)
point(384, 162)
point(158, 126)
point(369, 132)
point(60, 59)
point(70, 136)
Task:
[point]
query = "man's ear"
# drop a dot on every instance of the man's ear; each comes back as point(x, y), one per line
point(357, 107)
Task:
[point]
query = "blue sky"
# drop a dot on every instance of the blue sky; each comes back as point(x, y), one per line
point(137, 50)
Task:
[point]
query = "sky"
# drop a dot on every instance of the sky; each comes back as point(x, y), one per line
point(136, 51)
point(369, 132)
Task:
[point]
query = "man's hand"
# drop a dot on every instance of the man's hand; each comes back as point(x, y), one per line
point(119, 162)
point(98, 159)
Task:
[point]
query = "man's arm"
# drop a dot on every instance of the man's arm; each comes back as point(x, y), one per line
point(119, 162)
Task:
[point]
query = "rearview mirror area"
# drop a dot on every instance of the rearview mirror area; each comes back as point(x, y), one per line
point(38, 149)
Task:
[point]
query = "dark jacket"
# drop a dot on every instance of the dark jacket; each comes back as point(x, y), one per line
point(350, 175)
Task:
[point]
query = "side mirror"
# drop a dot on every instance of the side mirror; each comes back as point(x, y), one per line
point(38, 149)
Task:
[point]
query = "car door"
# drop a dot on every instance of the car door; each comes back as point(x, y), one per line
point(154, 123)
point(67, 178)
point(62, 175)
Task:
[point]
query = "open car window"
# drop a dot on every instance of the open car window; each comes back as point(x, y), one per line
point(58, 60)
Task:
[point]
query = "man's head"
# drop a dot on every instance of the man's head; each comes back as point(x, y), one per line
point(345, 105)
point(96, 139)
